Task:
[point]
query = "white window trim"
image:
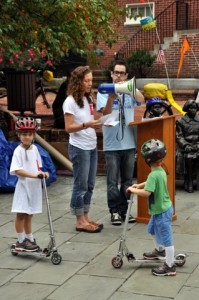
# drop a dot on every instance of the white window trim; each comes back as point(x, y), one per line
point(137, 21)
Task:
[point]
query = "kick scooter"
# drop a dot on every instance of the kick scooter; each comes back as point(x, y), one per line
point(51, 249)
point(117, 261)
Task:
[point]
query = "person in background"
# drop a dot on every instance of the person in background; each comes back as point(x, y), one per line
point(58, 104)
point(119, 144)
point(5, 120)
point(160, 207)
point(187, 139)
point(81, 126)
point(27, 201)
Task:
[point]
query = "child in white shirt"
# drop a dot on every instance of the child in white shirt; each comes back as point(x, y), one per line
point(26, 163)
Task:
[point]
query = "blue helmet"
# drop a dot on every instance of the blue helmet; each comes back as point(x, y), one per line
point(154, 100)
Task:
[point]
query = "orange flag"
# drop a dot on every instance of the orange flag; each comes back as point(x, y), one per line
point(143, 1)
point(184, 49)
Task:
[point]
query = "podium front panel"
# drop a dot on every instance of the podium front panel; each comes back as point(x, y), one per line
point(163, 129)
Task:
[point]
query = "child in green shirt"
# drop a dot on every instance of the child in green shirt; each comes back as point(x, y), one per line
point(160, 207)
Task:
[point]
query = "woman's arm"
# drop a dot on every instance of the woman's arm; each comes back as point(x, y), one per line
point(71, 126)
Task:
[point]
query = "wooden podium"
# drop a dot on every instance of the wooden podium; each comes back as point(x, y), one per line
point(162, 128)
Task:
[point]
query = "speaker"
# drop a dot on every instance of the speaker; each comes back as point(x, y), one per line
point(127, 87)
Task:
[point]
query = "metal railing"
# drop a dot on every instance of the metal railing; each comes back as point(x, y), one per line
point(179, 15)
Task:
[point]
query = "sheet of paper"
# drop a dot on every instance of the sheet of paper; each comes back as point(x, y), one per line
point(110, 119)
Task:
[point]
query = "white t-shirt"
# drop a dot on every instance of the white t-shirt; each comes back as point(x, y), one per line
point(85, 139)
point(28, 192)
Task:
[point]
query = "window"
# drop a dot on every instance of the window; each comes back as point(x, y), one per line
point(140, 10)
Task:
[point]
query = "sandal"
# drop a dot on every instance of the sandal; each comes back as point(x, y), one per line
point(89, 228)
point(96, 224)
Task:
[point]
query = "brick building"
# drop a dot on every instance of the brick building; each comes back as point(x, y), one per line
point(175, 19)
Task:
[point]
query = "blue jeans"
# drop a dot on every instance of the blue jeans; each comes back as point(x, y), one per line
point(160, 226)
point(120, 169)
point(84, 175)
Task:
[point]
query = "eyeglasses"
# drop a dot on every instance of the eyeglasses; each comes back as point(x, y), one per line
point(118, 73)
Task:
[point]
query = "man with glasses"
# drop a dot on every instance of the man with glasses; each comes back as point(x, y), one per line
point(119, 145)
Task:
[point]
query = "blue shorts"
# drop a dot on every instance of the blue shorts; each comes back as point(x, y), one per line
point(160, 226)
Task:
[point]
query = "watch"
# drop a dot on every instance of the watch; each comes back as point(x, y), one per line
point(83, 125)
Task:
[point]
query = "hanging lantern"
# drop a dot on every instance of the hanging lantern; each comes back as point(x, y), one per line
point(148, 23)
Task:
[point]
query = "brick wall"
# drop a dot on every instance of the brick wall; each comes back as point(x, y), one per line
point(189, 68)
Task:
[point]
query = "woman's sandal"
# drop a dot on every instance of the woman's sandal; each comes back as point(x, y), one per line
point(96, 224)
point(89, 229)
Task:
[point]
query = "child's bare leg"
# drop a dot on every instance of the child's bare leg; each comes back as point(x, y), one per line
point(19, 226)
point(28, 224)
point(28, 227)
point(19, 222)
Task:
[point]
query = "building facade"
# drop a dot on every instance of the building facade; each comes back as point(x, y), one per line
point(175, 20)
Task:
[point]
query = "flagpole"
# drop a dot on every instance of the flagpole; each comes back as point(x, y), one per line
point(169, 85)
point(195, 57)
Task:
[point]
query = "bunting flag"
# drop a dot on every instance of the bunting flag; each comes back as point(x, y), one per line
point(142, 1)
point(184, 49)
point(160, 57)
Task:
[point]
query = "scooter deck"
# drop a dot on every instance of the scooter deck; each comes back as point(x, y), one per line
point(38, 252)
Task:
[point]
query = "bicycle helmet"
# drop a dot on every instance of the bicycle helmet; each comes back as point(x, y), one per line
point(153, 150)
point(152, 101)
point(26, 124)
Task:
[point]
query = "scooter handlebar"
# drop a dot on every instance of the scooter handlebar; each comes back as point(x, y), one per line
point(40, 176)
point(129, 192)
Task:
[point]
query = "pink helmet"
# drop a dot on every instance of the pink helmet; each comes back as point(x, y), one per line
point(26, 124)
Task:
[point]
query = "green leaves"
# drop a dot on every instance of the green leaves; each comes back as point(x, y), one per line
point(53, 26)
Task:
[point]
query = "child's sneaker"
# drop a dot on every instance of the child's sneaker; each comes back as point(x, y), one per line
point(155, 254)
point(33, 243)
point(26, 245)
point(164, 270)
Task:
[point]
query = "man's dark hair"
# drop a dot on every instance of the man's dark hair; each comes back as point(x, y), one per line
point(120, 62)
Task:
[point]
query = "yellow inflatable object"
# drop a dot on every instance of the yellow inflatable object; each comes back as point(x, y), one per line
point(173, 102)
point(155, 90)
point(149, 26)
point(148, 23)
point(48, 75)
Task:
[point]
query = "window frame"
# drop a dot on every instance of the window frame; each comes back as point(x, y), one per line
point(131, 21)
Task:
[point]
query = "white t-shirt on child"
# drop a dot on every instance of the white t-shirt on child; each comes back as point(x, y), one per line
point(28, 192)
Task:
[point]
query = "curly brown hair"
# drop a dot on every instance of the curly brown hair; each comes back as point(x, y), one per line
point(75, 86)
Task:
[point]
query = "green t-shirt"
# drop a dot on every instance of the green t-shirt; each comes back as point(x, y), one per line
point(159, 200)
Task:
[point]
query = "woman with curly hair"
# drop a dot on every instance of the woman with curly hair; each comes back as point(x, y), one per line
point(80, 124)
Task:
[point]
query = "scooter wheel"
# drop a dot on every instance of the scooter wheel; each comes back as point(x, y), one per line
point(182, 260)
point(56, 258)
point(117, 262)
